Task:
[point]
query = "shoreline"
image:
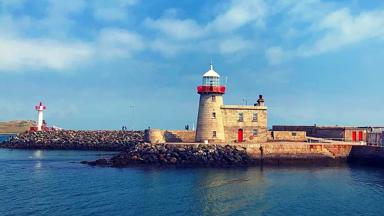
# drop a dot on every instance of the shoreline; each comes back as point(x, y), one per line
point(131, 149)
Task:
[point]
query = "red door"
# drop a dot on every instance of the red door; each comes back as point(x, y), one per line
point(354, 136)
point(240, 135)
point(360, 135)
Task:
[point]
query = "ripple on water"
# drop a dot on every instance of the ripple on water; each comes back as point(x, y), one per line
point(50, 183)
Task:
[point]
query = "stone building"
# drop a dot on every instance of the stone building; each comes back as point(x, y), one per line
point(337, 133)
point(220, 123)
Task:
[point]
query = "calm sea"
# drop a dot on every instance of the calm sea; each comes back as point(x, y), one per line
point(55, 183)
point(5, 136)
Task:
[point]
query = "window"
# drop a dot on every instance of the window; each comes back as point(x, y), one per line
point(214, 134)
point(254, 132)
point(213, 115)
point(213, 98)
point(294, 134)
point(254, 117)
point(241, 117)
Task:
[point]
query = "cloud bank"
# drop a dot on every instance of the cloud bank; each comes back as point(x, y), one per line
point(279, 31)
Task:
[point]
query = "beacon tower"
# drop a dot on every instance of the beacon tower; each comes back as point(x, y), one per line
point(40, 108)
point(210, 126)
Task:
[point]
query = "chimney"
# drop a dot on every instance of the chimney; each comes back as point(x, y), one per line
point(261, 101)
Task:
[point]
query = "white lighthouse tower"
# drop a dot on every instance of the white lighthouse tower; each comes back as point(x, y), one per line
point(210, 127)
point(40, 108)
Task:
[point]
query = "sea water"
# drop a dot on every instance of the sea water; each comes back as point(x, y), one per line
point(36, 182)
point(4, 137)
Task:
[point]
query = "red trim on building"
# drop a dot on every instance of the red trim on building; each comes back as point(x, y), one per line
point(360, 135)
point(211, 89)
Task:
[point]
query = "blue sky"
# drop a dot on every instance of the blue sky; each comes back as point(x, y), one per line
point(103, 64)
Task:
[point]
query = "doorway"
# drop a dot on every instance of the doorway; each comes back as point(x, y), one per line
point(240, 135)
point(360, 135)
point(354, 136)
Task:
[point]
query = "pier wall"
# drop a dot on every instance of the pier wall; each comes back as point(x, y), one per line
point(294, 136)
point(156, 136)
point(297, 150)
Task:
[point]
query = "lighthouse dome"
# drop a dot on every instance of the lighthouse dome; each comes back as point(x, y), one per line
point(211, 73)
point(211, 78)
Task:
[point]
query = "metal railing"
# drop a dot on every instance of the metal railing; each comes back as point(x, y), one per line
point(335, 140)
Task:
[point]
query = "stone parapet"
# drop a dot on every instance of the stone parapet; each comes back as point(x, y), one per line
point(240, 107)
point(156, 136)
point(289, 136)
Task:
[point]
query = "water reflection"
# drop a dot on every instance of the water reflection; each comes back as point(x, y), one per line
point(38, 165)
point(225, 191)
point(38, 154)
point(37, 157)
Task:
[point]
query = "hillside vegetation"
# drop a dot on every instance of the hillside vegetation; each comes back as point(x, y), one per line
point(17, 126)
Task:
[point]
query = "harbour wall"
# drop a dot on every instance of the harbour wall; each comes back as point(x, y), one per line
point(156, 136)
point(294, 136)
point(274, 152)
point(297, 151)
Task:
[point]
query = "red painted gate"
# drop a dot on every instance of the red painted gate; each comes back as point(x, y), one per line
point(354, 136)
point(240, 135)
point(360, 135)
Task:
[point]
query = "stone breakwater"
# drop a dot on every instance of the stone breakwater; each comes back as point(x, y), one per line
point(76, 140)
point(179, 155)
point(220, 155)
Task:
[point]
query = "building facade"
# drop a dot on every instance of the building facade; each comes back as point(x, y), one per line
point(218, 123)
point(337, 133)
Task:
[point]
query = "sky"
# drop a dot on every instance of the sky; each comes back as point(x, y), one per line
point(101, 64)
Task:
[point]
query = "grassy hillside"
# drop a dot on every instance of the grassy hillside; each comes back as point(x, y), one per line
point(17, 126)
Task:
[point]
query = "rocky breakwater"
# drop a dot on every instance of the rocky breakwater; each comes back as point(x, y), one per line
point(178, 155)
point(76, 140)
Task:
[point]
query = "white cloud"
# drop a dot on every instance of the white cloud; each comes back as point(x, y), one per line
point(300, 11)
point(52, 46)
point(217, 33)
point(168, 48)
point(178, 29)
point(233, 44)
point(18, 54)
point(115, 42)
point(25, 54)
point(342, 28)
point(333, 31)
point(240, 13)
point(58, 12)
point(112, 10)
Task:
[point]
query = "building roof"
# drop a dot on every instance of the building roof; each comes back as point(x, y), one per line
point(211, 72)
point(243, 107)
point(336, 127)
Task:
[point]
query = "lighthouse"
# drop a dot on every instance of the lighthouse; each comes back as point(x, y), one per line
point(40, 108)
point(210, 127)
